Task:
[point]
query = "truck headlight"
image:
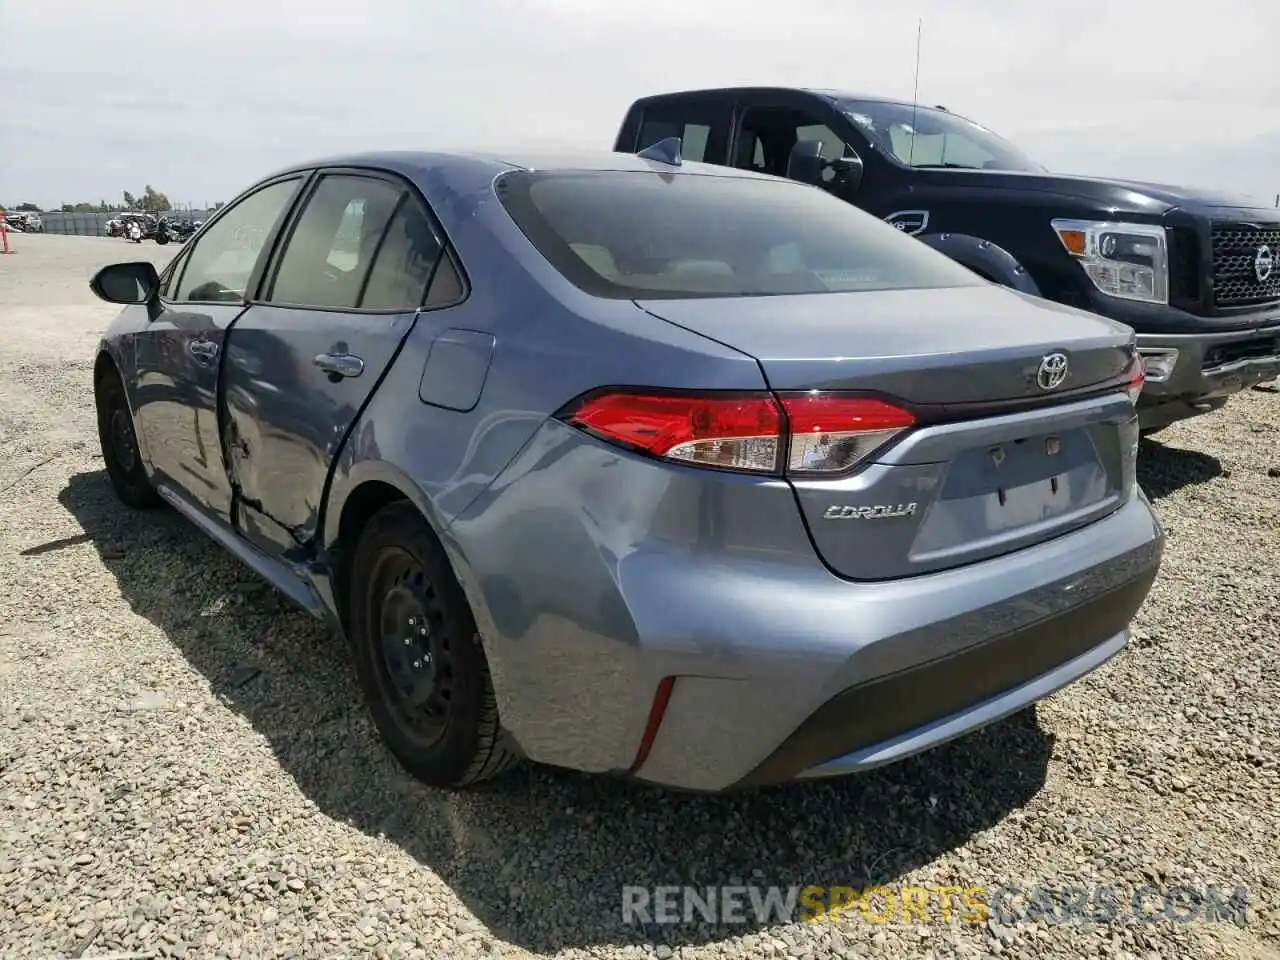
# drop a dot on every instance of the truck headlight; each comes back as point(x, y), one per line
point(1125, 260)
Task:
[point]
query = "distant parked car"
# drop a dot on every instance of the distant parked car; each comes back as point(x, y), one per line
point(24, 222)
point(622, 464)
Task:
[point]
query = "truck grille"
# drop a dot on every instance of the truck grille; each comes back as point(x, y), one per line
point(1235, 254)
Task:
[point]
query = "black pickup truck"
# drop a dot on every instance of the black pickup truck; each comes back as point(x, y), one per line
point(1195, 274)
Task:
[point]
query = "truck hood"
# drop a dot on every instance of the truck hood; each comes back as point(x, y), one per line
point(1131, 196)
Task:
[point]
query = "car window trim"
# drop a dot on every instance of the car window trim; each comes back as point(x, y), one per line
point(424, 207)
point(377, 249)
point(304, 177)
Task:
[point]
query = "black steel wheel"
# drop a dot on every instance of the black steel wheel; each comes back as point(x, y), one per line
point(419, 658)
point(120, 451)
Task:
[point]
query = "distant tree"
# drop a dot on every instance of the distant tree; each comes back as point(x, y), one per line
point(129, 201)
point(27, 207)
point(219, 205)
point(153, 201)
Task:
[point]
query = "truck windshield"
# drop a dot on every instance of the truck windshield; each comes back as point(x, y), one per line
point(928, 137)
point(625, 235)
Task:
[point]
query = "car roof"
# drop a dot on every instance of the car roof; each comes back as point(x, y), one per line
point(824, 93)
point(469, 164)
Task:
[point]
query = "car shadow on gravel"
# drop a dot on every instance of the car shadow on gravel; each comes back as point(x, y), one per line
point(540, 856)
point(1164, 470)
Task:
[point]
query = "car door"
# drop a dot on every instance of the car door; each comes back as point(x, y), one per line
point(341, 295)
point(178, 357)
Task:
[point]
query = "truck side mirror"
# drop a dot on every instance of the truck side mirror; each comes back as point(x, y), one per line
point(805, 162)
point(848, 171)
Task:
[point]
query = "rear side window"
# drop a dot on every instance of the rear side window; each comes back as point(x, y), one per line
point(625, 235)
point(403, 266)
point(332, 247)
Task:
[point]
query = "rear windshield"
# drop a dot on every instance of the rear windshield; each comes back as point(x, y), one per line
point(625, 235)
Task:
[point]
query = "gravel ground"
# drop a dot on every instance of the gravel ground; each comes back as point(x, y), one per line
point(185, 769)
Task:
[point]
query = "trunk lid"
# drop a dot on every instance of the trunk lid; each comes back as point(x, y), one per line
point(959, 345)
point(996, 462)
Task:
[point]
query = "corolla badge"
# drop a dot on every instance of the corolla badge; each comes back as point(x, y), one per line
point(880, 511)
point(1263, 263)
point(1053, 370)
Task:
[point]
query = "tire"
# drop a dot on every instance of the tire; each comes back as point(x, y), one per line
point(418, 655)
point(120, 451)
point(162, 238)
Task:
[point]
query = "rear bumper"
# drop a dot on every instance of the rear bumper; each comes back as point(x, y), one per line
point(1189, 374)
point(892, 717)
point(975, 654)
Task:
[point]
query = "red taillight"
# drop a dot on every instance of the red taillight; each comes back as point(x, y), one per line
point(832, 433)
point(805, 433)
point(738, 432)
point(1137, 377)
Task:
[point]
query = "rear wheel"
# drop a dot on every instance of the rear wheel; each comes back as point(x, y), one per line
point(418, 655)
point(120, 451)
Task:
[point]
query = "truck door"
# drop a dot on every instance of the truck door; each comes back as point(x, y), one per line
point(770, 123)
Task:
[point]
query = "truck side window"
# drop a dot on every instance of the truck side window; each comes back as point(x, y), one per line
point(767, 135)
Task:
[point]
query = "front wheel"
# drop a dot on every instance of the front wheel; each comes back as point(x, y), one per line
point(418, 655)
point(120, 451)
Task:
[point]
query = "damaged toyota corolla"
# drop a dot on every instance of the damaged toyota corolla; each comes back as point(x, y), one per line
point(636, 466)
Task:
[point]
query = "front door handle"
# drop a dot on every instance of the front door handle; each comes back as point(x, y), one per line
point(203, 349)
point(339, 365)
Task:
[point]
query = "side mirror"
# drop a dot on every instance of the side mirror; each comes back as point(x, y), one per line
point(805, 162)
point(135, 282)
point(848, 172)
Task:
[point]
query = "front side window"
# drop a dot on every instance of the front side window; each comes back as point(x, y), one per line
point(928, 137)
point(330, 251)
point(625, 235)
point(219, 267)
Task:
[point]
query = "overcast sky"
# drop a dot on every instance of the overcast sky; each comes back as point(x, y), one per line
point(201, 98)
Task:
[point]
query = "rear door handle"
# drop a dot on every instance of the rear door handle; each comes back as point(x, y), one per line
point(203, 349)
point(339, 364)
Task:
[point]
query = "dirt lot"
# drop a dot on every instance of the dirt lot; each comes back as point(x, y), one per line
point(185, 769)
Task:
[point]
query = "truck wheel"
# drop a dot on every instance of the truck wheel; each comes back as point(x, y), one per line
point(120, 451)
point(418, 654)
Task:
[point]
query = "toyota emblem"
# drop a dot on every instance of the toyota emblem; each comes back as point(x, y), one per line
point(1263, 264)
point(1053, 370)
